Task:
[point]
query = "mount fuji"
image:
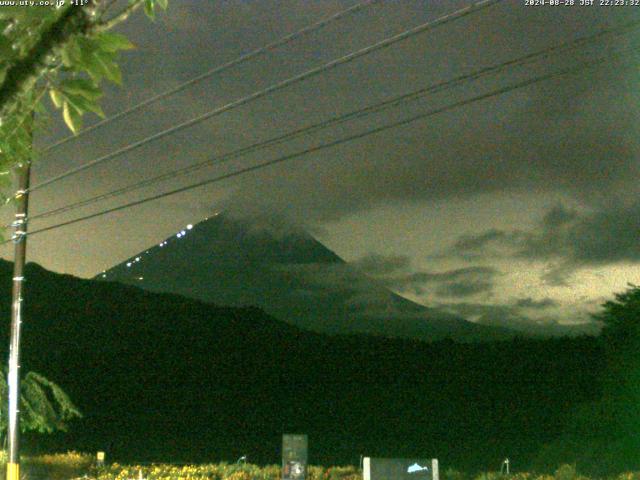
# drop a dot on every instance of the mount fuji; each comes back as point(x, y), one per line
point(288, 274)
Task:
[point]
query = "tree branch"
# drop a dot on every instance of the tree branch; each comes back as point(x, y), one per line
point(119, 17)
point(24, 73)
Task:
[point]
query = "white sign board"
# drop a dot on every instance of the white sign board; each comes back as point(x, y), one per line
point(400, 469)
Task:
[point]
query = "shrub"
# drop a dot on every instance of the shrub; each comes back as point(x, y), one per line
point(452, 474)
point(566, 472)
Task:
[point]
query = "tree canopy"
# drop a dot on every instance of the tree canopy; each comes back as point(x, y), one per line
point(44, 406)
point(621, 316)
point(64, 50)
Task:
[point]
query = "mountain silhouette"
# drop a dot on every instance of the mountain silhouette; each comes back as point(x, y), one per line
point(290, 275)
point(161, 377)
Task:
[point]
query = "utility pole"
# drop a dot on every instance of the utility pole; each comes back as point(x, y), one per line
point(20, 252)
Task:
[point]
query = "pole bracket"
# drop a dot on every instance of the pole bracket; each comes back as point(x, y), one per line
point(18, 236)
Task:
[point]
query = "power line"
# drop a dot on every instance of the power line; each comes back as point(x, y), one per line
point(216, 70)
point(375, 108)
point(317, 148)
point(387, 42)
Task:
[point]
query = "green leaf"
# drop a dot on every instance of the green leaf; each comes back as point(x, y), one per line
point(56, 97)
point(163, 3)
point(72, 117)
point(6, 50)
point(44, 406)
point(83, 105)
point(107, 66)
point(88, 48)
point(112, 42)
point(150, 9)
point(71, 54)
point(81, 86)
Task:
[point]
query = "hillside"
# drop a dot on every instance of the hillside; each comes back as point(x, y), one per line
point(163, 377)
point(288, 274)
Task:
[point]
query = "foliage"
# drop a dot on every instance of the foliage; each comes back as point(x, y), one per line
point(491, 476)
point(621, 334)
point(453, 474)
point(57, 466)
point(621, 317)
point(226, 381)
point(566, 472)
point(44, 406)
point(224, 471)
point(73, 464)
point(66, 51)
point(220, 471)
point(70, 459)
point(600, 436)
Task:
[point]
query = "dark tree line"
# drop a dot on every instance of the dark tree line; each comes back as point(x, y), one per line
point(164, 378)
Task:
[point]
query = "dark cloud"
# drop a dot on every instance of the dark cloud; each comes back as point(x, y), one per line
point(394, 273)
point(490, 244)
point(462, 282)
point(464, 288)
point(377, 265)
point(575, 135)
point(475, 242)
point(557, 136)
point(513, 317)
point(360, 293)
point(609, 235)
point(541, 304)
point(558, 274)
point(566, 239)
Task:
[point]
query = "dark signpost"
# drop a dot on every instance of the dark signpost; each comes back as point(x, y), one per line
point(399, 469)
point(294, 457)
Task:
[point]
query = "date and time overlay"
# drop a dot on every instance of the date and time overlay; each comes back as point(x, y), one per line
point(582, 3)
point(528, 3)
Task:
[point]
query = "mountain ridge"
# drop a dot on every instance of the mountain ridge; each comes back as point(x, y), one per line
point(161, 377)
point(291, 276)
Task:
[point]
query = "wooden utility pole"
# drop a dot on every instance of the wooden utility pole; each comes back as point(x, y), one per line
point(13, 380)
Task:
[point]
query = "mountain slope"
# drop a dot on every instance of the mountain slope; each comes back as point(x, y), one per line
point(160, 377)
point(291, 276)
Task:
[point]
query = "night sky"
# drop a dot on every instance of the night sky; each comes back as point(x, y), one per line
point(526, 202)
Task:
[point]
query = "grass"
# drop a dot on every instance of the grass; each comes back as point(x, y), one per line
point(219, 471)
point(74, 465)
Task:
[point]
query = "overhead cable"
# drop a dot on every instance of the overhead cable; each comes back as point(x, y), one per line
point(335, 143)
point(336, 120)
point(387, 42)
point(216, 70)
